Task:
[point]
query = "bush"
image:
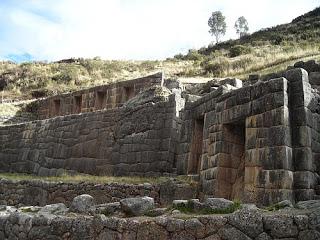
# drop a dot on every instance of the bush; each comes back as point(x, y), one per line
point(216, 67)
point(242, 63)
point(194, 55)
point(239, 50)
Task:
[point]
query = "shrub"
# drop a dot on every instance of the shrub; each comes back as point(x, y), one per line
point(242, 63)
point(239, 50)
point(194, 55)
point(216, 67)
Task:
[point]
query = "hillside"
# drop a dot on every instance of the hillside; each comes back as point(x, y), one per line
point(265, 51)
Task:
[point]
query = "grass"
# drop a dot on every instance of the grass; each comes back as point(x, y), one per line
point(29, 210)
point(266, 51)
point(91, 179)
point(275, 207)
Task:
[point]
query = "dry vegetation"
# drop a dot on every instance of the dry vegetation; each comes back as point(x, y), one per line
point(95, 179)
point(265, 51)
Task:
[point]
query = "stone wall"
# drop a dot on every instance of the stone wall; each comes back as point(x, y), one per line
point(133, 140)
point(92, 99)
point(245, 224)
point(41, 193)
point(259, 142)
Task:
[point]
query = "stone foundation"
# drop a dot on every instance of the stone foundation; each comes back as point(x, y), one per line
point(245, 224)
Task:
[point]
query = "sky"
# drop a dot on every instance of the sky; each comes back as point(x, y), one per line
point(50, 30)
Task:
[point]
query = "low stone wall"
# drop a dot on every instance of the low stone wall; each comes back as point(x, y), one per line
point(40, 193)
point(245, 224)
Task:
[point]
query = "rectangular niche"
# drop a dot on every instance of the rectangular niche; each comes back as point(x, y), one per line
point(232, 161)
point(129, 93)
point(77, 104)
point(101, 100)
point(56, 107)
point(196, 147)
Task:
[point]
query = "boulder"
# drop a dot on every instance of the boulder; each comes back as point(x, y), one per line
point(314, 78)
point(218, 203)
point(179, 203)
point(136, 206)
point(284, 204)
point(196, 205)
point(83, 204)
point(280, 226)
point(156, 212)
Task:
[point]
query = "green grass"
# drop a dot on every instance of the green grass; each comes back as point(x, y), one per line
point(85, 178)
point(29, 210)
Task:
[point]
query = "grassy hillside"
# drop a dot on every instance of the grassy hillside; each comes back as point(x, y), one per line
point(265, 51)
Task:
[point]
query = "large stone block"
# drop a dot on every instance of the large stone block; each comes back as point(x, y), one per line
point(297, 74)
point(275, 179)
point(314, 78)
point(270, 157)
point(303, 159)
point(304, 180)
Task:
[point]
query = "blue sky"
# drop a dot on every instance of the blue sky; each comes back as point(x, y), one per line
point(126, 29)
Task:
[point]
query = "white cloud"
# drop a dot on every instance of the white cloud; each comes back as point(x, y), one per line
point(124, 29)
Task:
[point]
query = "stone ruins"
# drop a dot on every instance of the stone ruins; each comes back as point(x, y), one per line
point(257, 140)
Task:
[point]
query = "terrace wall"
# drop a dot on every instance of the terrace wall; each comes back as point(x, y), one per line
point(97, 98)
point(123, 141)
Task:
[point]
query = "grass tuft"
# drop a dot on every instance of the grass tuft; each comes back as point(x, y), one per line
point(85, 178)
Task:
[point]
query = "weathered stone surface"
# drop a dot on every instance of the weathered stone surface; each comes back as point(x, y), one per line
point(58, 209)
point(314, 78)
point(248, 221)
point(285, 204)
point(108, 208)
point(137, 206)
point(195, 228)
point(280, 226)
point(83, 204)
point(238, 225)
point(309, 234)
point(231, 233)
point(310, 204)
point(179, 203)
point(218, 203)
point(29, 192)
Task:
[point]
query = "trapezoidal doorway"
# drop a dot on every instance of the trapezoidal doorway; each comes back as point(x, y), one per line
point(196, 147)
point(231, 162)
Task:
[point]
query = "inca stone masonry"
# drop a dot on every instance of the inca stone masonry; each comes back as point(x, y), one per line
point(258, 141)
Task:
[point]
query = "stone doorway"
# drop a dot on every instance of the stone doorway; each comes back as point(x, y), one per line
point(233, 161)
point(196, 147)
point(77, 104)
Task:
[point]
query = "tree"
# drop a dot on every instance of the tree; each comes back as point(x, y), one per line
point(217, 25)
point(241, 26)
